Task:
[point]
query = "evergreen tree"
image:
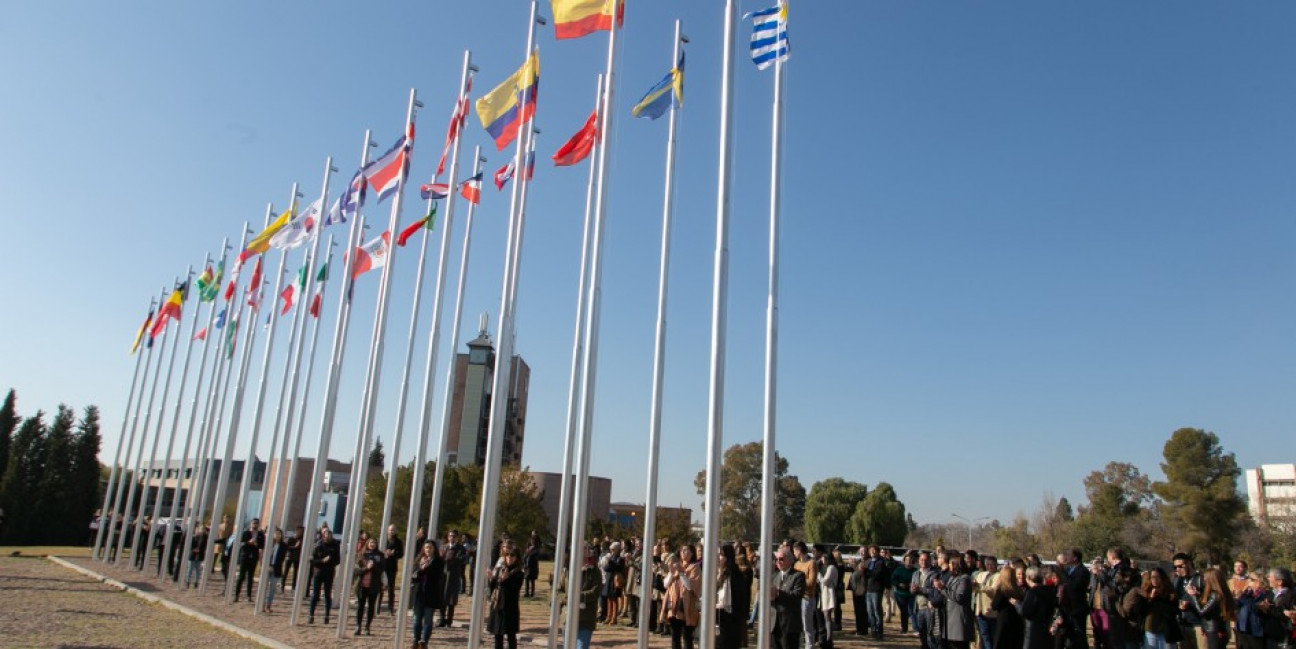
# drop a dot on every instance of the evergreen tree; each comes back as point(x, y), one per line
point(740, 494)
point(26, 463)
point(56, 493)
point(8, 422)
point(879, 518)
point(1200, 493)
point(829, 506)
point(88, 476)
point(377, 459)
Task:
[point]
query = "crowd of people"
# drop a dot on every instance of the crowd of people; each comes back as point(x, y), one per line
point(947, 599)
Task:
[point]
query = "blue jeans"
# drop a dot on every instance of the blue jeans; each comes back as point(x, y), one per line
point(583, 638)
point(271, 582)
point(874, 602)
point(194, 573)
point(1154, 641)
point(422, 623)
point(808, 609)
point(922, 625)
point(985, 629)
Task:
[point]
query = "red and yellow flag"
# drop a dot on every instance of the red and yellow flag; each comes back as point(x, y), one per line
point(576, 18)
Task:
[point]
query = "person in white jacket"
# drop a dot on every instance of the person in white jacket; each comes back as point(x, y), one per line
point(827, 595)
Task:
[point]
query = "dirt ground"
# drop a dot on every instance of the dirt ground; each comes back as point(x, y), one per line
point(114, 612)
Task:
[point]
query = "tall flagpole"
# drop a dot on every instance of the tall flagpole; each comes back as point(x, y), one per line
point(198, 487)
point(105, 518)
point(361, 473)
point(126, 481)
point(503, 365)
point(573, 401)
point(171, 437)
point(193, 416)
point(236, 540)
point(589, 380)
point(329, 412)
point(231, 434)
point(140, 532)
point(434, 343)
point(659, 350)
point(288, 392)
point(719, 322)
point(768, 466)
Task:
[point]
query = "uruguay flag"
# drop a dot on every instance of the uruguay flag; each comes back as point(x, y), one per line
point(385, 174)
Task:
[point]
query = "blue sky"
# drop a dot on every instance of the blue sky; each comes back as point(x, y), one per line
point(1020, 239)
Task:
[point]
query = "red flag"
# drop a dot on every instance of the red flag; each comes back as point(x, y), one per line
point(471, 189)
point(580, 144)
point(254, 286)
point(287, 296)
point(201, 335)
point(315, 306)
point(457, 119)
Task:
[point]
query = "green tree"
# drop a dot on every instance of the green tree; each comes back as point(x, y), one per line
point(460, 500)
point(520, 506)
point(1015, 540)
point(740, 494)
point(1201, 500)
point(879, 519)
point(377, 459)
point(1119, 496)
point(88, 475)
point(8, 422)
point(829, 507)
point(57, 492)
point(375, 495)
point(19, 485)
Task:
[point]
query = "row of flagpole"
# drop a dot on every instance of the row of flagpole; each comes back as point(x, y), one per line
point(578, 441)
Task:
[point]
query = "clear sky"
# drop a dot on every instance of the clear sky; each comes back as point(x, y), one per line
point(1020, 239)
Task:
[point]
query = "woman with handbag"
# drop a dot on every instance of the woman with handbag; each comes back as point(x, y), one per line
point(506, 584)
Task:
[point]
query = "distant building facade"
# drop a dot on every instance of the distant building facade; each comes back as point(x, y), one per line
point(1271, 494)
point(550, 487)
point(470, 404)
point(631, 516)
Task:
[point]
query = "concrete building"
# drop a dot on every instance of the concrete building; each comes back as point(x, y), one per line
point(1271, 494)
point(166, 482)
point(550, 486)
point(471, 404)
point(631, 516)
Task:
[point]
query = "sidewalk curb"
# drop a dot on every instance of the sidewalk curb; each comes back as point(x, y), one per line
point(149, 597)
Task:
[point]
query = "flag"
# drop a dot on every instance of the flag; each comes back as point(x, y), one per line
point(299, 229)
point(457, 119)
point(254, 286)
point(201, 335)
point(530, 165)
point(503, 175)
point(428, 221)
point(667, 93)
point(503, 110)
point(209, 283)
point(170, 311)
point(220, 319)
point(315, 305)
point(470, 189)
point(349, 202)
point(580, 144)
point(287, 296)
point(144, 327)
point(769, 41)
point(261, 242)
point(372, 255)
point(233, 281)
point(576, 18)
point(322, 275)
point(231, 337)
point(386, 173)
point(434, 191)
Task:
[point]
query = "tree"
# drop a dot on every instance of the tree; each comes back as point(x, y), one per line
point(1015, 540)
point(57, 492)
point(88, 475)
point(1053, 526)
point(26, 463)
point(1119, 497)
point(377, 459)
point(1200, 493)
point(460, 500)
point(740, 494)
point(8, 422)
point(879, 519)
point(375, 497)
point(828, 508)
point(519, 509)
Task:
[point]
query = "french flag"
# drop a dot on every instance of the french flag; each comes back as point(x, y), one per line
point(471, 189)
point(503, 175)
point(385, 174)
point(434, 191)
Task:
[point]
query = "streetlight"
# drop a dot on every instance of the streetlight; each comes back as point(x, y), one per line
point(970, 523)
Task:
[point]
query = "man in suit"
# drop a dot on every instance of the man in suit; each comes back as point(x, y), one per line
point(1073, 604)
point(786, 593)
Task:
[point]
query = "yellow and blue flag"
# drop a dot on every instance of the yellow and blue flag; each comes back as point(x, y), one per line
point(669, 92)
point(503, 110)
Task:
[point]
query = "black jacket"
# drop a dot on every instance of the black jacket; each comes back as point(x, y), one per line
point(325, 557)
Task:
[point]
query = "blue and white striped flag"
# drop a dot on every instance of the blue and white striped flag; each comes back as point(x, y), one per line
point(769, 41)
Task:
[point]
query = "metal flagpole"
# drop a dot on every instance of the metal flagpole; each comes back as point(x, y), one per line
point(208, 432)
point(360, 474)
point(659, 351)
point(573, 401)
point(429, 377)
point(126, 480)
point(768, 483)
point(140, 532)
point(331, 390)
point(236, 540)
point(588, 381)
point(719, 320)
point(175, 427)
point(231, 434)
point(189, 430)
point(288, 392)
point(104, 518)
point(503, 367)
